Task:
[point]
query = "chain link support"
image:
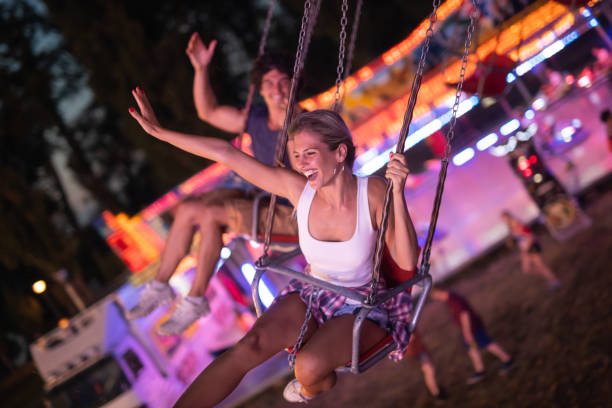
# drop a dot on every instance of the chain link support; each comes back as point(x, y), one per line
point(449, 139)
point(450, 135)
point(341, 52)
point(416, 84)
point(298, 343)
point(308, 20)
point(262, 48)
point(351, 47)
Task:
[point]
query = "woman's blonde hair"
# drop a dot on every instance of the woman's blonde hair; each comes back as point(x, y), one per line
point(330, 126)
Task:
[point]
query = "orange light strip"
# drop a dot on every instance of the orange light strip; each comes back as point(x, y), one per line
point(434, 88)
point(398, 51)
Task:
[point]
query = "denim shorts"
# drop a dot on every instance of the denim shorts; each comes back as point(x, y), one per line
point(377, 315)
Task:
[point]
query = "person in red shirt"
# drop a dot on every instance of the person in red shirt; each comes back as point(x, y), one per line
point(606, 118)
point(474, 334)
point(418, 351)
point(531, 258)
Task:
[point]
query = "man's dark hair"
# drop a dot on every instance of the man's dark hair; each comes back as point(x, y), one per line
point(270, 60)
point(605, 115)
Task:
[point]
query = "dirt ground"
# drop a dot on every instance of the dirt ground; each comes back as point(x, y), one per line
point(561, 340)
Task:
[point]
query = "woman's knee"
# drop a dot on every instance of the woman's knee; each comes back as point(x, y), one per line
point(311, 368)
point(200, 213)
point(189, 211)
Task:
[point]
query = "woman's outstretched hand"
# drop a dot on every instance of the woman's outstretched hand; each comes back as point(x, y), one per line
point(397, 172)
point(146, 118)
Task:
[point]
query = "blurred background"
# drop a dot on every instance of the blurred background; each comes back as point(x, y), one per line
point(87, 196)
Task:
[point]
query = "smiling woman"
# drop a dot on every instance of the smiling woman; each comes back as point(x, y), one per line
point(338, 213)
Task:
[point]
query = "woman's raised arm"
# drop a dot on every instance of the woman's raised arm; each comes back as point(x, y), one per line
point(276, 180)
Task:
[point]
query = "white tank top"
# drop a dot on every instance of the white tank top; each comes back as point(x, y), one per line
point(345, 263)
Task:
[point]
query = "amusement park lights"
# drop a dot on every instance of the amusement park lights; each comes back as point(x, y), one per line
point(509, 127)
point(463, 157)
point(487, 141)
point(39, 286)
point(225, 253)
point(543, 55)
point(381, 159)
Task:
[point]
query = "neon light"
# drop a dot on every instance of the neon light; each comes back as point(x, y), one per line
point(417, 136)
point(487, 141)
point(545, 54)
point(593, 22)
point(539, 104)
point(509, 127)
point(225, 253)
point(254, 244)
point(510, 77)
point(586, 13)
point(529, 114)
point(248, 271)
point(553, 49)
point(463, 157)
point(584, 81)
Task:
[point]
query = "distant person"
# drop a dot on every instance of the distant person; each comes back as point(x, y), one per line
point(418, 351)
point(474, 334)
point(602, 63)
point(606, 118)
point(555, 86)
point(530, 249)
point(224, 209)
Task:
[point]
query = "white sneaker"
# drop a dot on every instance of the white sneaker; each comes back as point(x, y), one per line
point(154, 295)
point(293, 392)
point(188, 310)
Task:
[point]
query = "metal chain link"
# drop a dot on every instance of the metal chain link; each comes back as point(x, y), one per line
point(351, 47)
point(308, 19)
point(314, 11)
point(450, 135)
point(298, 343)
point(416, 84)
point(262, 47)
point(266, 30)
point(449, 138)
point(341, 52)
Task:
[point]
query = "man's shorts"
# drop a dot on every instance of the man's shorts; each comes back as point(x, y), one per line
point(238, 205)
point(481, 337)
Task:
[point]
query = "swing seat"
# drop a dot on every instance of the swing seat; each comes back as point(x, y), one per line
point(368, 357)
point(394, 276)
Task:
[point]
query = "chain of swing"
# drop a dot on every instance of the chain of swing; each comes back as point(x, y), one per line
point(260, 52)
point(305, 31)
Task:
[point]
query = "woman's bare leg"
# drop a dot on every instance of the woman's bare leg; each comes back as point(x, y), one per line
point(329, 348)
point(275, 330)
point(179, 239)
point(476, 359)
point(429, 375)
point(542, 269)
point(499, 352)
point(525, 263)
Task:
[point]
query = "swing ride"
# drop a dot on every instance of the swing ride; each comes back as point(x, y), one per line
point(422, 277)
point(138, 240)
